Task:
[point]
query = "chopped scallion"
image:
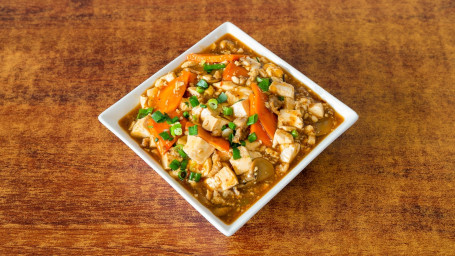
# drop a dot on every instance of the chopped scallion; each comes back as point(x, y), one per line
point(243, 143)
point(224, 127)
point(231, 137)
point(174, 165)
point(186, 114)
point(183, 164)
point(213, 103)
point(232, 125)
point(200, 90)
point(210, 67)
point(294, 133)
point(222, 97)
point(193, 101)
point(158, 117)
point(192, 130)
point(252, 137)
point(176, 129)
point(143, 112)
point(202, 84)
point(156, 139)
point(172, 120)
point(236, 153)
point(166, 136)
point(195, 176)
point(264, 83)
point(228, 111)
point(203, 106)
point(281, 98)
point(252, 119)
point(182, 174)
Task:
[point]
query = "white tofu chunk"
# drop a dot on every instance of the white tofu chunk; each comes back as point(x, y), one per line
point(196, 111)
point(224, 179)
point(241, 108)
point(140, 129)
point(225, 85)
point(288, 152)
point(212, 123)
point(198, 149)
point(282, 137)
point(282, 89)
point(143, 100)
point(165, 79)
point(290, 118)
point(192, 90)
point(243, 164)
point(316, 109)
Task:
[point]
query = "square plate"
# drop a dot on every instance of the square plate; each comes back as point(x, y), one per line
point(111, 116)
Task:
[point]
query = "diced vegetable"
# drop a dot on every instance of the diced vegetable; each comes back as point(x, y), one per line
point(228, 111)
point(236, 153)
point(232, 125)
point(184, 163)
point(186, 114)
point(252, 119)
point(162, 144)
point(169, 96)
point(174, 165)
point(193, 130)
point(224, 127)
point(143, 112)
point(193, 101)
point(195, 176)
point(210, 67)
point(166, 136)
point(182, 174)
point(212, 58)
point(202, 84)
point(200, 90)
point(264, 83)
point(267, 118)
point(222, 98)
point(252, 137)
point(176, 129)
point(294, 133)
point(233, 70)
point(158, 117)
point(203, 106)
point(213, 103)
point(171, 120)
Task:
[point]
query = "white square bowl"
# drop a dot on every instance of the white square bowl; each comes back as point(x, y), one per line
point(111, 116)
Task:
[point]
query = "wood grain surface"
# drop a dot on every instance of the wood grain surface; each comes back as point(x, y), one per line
point(69, 186)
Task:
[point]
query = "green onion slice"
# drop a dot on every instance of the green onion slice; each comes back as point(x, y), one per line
point(195, 176)
point(213, 103)
point(176, 129)
point(236, 153)
point(166, 136)
point(174, 165)
point(222, 97)
point(228, 111)
point(252, 119)
point(158, 117)
point(200, 90)
point(192, 130)
point(193, 101)
point(294, 133)
point(184, 164)
point(186, 114)
point(232, 125)
point(143, 112)
point(252, 137)
point(182, 174)
point(264, 83)
point(210, 67)
point(202, 84)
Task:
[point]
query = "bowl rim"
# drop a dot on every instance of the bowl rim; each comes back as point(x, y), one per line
point(111, 116)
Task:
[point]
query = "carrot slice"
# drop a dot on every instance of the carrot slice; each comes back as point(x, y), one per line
point(169, 97)
point(157, 128)
point(267, 118)
point(233, 70)
point(219, 143)
point(211, 58)
point(257, 127)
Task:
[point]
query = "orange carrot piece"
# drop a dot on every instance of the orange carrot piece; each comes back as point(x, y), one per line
point(257, 127)
point(267, 118)
point(157, 128)
point(233, 70)
point(219, 143)
point(212, 58)
point(169, 97)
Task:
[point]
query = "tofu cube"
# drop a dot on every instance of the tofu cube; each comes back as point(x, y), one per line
point(316, 109)
point(227, 178)
point(140, 129)
point(198, 149)
point(241, 108)
point(244, 163)
point(282, 89)
point(290, 118)
point(288, 152)
point(282, 137)
point(212, 123)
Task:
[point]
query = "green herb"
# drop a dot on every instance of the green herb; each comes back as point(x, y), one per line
point(195, 176)
point(186, 114)
point(280, 97)
point(192, 130)
point(186, 103)
point(166, 136)
point(210, 67)
point(174, 165)
point(264, 83)
point(294, 133)
point(232, 125)
point(252, 119)
point(171, 120)
point(243, 143)
point(213, 103)
point(228, 111)
point(224, 127)
point(143, 112)
point(176, 129)
point(200, 90)
point(184, 164)
point(150, 126)
point(182, 174)
point(284, 80)
point(158, 117)
point(258, 59)
point(195, 118)
point(193, 101)
point(202, 84)
point(156, 139)
point(231, 136)
point(236, 153)
point(203, 106)
point(252, 137)
point(222, 97)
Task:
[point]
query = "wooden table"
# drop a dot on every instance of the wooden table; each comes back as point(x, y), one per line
point(69, 186)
